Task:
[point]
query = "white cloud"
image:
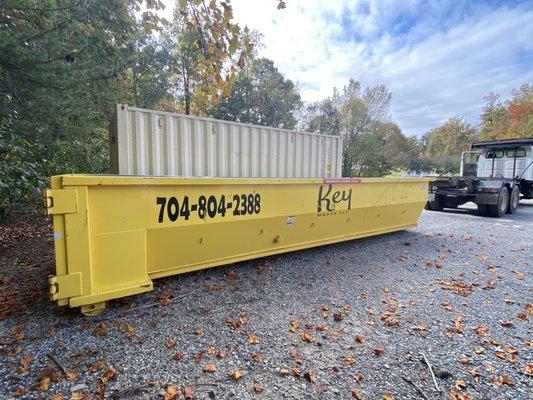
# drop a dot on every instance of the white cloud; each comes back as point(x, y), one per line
point(441, 65)
point(439, 58)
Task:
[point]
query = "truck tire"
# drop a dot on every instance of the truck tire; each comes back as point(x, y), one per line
point(482, 209)
point(499, 210)
point(514, 200)
point(434, 205)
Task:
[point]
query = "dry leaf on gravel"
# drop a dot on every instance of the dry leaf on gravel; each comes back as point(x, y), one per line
point(188, 393)
point(128, 330)
point(310, 377)
point(97, 366)
point(356, 394)
point(171, 342)
point(236, 375)
point(252, 339)
point(70, 375)
point(388, 396)
point(293, 326)
point(257, 388)
point(379, 351)
point(457, 324)
point(358, 377)
point(43, 384)
point(307, 337)
point(171, 393)
point(209, 368)
point(482, 330)
point(528, 369)
point(25, 362)
point(456, 395)
point(507, 324)
point(359, 339)
point(108, 375)
point(178, 356)
point(100, 330)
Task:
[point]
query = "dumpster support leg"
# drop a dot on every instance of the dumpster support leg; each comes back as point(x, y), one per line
point(92, 310)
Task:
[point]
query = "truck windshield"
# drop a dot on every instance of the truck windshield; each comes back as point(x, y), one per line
point(515, 153)
point(495, 154)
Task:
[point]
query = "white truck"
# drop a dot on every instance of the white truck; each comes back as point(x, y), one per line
point(494, 175)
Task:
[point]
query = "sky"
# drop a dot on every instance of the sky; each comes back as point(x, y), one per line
point(438, 58)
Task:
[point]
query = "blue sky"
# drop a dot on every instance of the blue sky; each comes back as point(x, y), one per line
point(439, 58)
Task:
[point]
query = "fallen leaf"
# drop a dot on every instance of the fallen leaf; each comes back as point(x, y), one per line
point(351, 360)
point(293, 326)
point(128, 330)
point(464, 361)
point(25, 362)
point(356, 394)
point(421, 327)
point(310, 377)
point(388, 396)
point(338, 317)
point(359, 339)
point(108, 375)
point(358, 377)
point(460, 384)
point(97, 366)
point(482, 330)
point(379, 351)
point(178, 356)
point(100, 330)
point(252, 339)
point(528, 369)
point(21, 391)
point(307, 337)
point(257, 356)
point(199, 331)
point(70, 375)
point(230, 276)
point(507, 324)
point(257, 388)
point(171, 393)
point(44, 383)
point(457, 324)
point(188, 393)
point(209, 368)
point(474, 372)
point(284, 372)
point(171, 342)
point(236, 375)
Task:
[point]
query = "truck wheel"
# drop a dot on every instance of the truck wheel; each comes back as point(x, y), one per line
point(514, 200)
point(434, 205)
point(498, 210)
point(482, 209)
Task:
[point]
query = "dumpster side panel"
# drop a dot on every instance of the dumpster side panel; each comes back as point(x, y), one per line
point(127, 231)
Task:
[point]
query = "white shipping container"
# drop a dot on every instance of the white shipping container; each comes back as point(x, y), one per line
point(158, 143)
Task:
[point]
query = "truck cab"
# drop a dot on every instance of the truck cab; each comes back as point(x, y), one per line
point(494, 175)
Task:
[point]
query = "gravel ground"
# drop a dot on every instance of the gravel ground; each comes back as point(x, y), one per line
point(349, 320)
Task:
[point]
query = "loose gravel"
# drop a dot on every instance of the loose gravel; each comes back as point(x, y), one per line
point(350, 320)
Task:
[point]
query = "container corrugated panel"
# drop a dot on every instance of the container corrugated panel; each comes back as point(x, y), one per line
point(157, 143)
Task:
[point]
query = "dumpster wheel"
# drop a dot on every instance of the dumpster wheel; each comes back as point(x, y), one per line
point(93, 310)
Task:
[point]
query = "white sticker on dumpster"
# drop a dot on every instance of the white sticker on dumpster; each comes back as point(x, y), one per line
point(290, 221)
point(58, 235)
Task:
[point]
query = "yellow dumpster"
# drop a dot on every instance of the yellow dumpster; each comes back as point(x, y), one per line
point(115, 234)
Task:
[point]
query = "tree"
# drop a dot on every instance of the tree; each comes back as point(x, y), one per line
point(351, 113)
point(260, 95)
point(209, 49)
point(59, 65)
point(445, 144)
point(380, 151)
point(508, 120)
